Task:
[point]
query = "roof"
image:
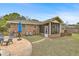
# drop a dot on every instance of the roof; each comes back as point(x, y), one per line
point(54, 20)
point(25, 22)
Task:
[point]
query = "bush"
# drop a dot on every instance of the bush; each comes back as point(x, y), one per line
point(5, 33)
point(66, 34)
point(3, 29)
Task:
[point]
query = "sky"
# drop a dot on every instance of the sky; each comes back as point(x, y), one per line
point(68, 12)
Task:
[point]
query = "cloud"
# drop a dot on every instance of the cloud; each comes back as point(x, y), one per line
point(70, 17)
point(67, 17)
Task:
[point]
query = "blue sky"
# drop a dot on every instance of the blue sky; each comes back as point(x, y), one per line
point(69, 13)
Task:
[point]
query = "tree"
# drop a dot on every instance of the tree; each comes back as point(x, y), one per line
point(3, 29)
point(14, 16)
point(22, 18)
point(2, 22)
point(34, 20)
point(77, 25)
point(5, 18)
point(11, 16)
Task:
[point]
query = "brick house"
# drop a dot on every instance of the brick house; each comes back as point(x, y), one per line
point(30, 27)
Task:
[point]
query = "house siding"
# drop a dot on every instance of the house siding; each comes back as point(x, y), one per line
point(26, 29)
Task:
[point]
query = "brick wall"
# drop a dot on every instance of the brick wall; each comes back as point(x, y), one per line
point(33, 29)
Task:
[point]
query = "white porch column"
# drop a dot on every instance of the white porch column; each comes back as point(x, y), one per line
point(60, 28)
point(49, 28)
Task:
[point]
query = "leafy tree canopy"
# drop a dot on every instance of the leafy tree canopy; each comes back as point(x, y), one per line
point(10, 16)
point(78, 23)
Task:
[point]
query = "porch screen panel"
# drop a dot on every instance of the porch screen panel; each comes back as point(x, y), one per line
point(41, 29)
point(55, 28)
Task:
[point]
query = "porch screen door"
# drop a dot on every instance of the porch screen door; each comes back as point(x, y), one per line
point(46, 31)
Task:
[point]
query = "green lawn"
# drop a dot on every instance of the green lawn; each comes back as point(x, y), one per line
point(33, 38)
point(65, 46)
point(75, 36)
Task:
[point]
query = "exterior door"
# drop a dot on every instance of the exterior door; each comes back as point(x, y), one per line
point(46, 31)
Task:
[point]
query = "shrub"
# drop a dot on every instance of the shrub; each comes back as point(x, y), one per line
point(5, 33)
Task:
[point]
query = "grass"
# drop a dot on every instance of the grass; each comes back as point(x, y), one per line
point(65, 46)
point(75, 36)
point(34, 38)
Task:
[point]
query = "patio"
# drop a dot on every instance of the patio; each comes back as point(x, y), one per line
point(18, 48)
